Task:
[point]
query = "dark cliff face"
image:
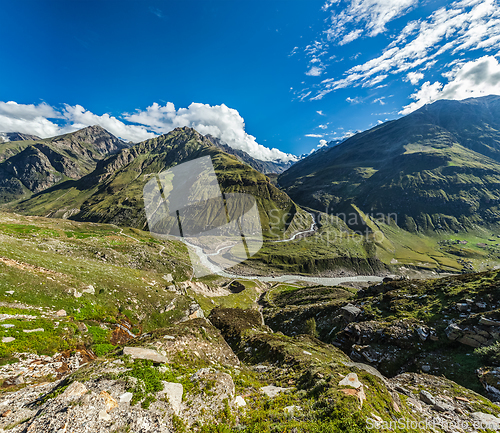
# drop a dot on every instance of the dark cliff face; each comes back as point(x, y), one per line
point(437, 168)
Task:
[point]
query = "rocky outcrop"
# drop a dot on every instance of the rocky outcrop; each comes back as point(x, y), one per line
point(196, 338)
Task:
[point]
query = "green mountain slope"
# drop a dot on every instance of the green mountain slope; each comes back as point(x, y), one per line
point(437, 168)
point(113, 191)
point(30, 166)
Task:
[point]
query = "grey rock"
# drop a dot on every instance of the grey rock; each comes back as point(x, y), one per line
point(443, 407)
point(453, 331)
point(403, 390)
point(239, 401)
point(18, 380)
point(200, 373)
point(126, 397)
point(292, 410)
point(427, 397)
point(75, 390)
point(415, 403)
point(368, 368)
point(422, 333)
point(272, 391)
point(90, 289)
point(350, 312)
point(487, 420)
point(261, 368)
point(142, 353)
point(28, 331)
point(174, 391)
point(488, 322)
point(470, 341)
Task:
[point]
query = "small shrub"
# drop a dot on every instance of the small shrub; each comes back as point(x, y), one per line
point(102, 349)
point(490, 354)
point(311, 327)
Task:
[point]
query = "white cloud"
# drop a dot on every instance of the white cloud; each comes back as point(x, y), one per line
point(355, 34)
point(348, 134)
point(355, 100)
point(322, 143)
point(315, 71)
point(80, 118)
point(476, 78)
point(218, 120)
point(364, 16)
point(414, 77)
point(380, 100)
point(27, 111)
point(323, 126)
point(28, 119)
point(35, 119)
point(463, 26)
point(314, 135)
point(320, 112)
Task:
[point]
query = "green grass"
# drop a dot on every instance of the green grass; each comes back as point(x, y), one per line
point(51, 340)
point(45, 262)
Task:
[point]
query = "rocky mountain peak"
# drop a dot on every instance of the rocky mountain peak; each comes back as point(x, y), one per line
point(104, 141)
point(17, 136)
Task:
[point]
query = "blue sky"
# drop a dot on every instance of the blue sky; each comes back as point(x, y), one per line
point(283, 74)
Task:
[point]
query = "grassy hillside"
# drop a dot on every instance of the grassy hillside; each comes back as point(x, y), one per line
point(435, 169)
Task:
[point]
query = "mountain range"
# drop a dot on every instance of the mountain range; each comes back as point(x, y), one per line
point(437, 168)
point(433, 172)
point(112, 192)
point(29, 164)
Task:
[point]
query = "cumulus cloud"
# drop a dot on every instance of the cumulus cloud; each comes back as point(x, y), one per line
point(28, 119)
point(218, 120)
point(360, 17)
point(480, 77)
point(314, 135)
point(80, 118)
point(414, 77)
point(36, 119)
point(463, 26)
point(322, 143)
